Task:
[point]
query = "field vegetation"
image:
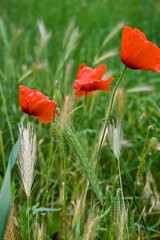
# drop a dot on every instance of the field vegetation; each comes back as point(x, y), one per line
point(60, 180)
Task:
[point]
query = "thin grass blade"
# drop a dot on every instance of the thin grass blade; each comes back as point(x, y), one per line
point(5, 194)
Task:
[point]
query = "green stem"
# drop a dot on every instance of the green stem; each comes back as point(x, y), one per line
point(109, 113)
point(141, 166)
point(75, 109)
point(2, 150)
point(120, 180)
point(135, 201)
point(64, 162)
point(5, 108)
point(29, 236)
point(146, 139)
point(50, 165)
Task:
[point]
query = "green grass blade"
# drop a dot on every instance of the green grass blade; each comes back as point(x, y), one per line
point(5, 194)
point(43, 209)
point(78, 228)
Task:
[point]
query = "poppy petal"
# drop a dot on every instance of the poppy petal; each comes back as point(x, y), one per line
point(23, 92)
point(47, 111)
point(84, 71)
point(137, 52)
point(89, 80)
point(80, 93)
point(37, 104)
point(91, 86)
point(83, 65)
point(98, 72)
point(97, 85)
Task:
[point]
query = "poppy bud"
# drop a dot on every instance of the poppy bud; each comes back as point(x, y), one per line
point(153, 145)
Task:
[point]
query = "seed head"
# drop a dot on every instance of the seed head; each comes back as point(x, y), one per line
point(27, 157)
point(115, 136)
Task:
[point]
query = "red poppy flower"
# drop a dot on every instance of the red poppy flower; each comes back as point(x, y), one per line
point(137, 52)
point(89, 80)
point(35, 103)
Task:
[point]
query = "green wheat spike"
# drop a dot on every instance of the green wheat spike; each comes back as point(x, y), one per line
point(80, 156)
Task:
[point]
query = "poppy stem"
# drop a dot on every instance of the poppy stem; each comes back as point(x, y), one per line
point(75, 109)
point(107, 119)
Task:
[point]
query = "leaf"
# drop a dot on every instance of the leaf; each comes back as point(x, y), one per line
point(5, 194)
point(43, 209)
point(100, 229)
point(78, 228)
point(105, 213)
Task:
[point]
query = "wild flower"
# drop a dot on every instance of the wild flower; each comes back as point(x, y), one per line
point(137, 52)
point(89, 80)
point(37, 104)
point(27, 157)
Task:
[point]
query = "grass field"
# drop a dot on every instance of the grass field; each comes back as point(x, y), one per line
point(74, 196)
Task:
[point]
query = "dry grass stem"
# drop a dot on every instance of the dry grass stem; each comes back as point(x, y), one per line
point(10, 231)
point(67, 108)
point(91, 227)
